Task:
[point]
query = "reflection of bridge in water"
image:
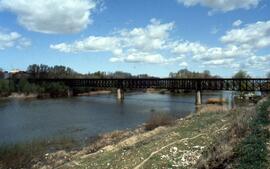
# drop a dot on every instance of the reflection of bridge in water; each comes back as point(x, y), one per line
point(197, 85)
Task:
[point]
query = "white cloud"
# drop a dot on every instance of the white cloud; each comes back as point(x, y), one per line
point(90, 44)
point(211, 56)
point(186, 47)
point(136, 45)
point(252, 36)
point(237, 23)
point(134, 56)
point(222, 5)
point(258, 62)
point(183, 64)
point(154, 44)
point(13, 39)
point(52, 16)
point(152, 37)
point(143, 57)
point(222, 63)
point(199, 51)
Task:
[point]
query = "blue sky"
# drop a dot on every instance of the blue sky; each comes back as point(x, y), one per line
point(154, 36)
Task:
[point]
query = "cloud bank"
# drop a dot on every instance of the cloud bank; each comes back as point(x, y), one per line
point(52, 16)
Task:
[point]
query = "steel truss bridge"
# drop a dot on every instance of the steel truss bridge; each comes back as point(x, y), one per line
point(253, 84)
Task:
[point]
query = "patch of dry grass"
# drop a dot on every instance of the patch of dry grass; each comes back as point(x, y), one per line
point(212, 108)
point(159, 119)
point(215, 101)
point(221, 153)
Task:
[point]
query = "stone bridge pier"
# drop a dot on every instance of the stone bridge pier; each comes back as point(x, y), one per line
point(70, 92)
point(120, 94)
point(198, 97)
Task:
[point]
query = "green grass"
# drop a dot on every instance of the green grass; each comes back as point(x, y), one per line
point(252, 151)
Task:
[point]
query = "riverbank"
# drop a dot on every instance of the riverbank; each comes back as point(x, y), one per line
point(47, 95)
point(185, 143)
point(94, 93)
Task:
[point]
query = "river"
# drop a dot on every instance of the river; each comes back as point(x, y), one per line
point(82, 117)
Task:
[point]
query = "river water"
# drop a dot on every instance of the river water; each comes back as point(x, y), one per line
point(82, 117)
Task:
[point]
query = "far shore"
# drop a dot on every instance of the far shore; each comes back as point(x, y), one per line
point(46, 95)
point(93, 93)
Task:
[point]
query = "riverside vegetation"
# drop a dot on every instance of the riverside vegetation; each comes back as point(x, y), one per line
point(214, 137)
point(7, 87)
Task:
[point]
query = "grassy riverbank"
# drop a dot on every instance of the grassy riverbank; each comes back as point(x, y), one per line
point(212, 138)
point(201, 141)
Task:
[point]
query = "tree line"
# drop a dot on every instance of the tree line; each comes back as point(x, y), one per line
point(185, 73)
point(56, 89)
point(59, 89)
point(58, 71)
point(45, 71)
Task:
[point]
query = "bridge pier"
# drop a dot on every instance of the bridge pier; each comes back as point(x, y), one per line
point(198, 97)
point(120, 94)
point(70, 92)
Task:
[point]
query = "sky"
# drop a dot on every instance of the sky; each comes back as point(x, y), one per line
point(137, 36)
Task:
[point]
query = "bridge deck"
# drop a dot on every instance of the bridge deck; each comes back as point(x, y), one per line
point(261, 84)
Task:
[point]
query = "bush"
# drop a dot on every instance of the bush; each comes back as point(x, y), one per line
point(56, 89)
point(252, 151)
point(158, 119)
point(4, 87)
point(243, 145)
point(220, 153)
point(24, 155)
point(25, 87)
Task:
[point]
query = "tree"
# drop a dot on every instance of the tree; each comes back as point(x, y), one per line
point(120, 74)
point(33, 70)
point(2, 75)
point(4, 87)
point(45, 71)
point(185, 73)
point(206, 74)
point(241, 74)
point(97, 75)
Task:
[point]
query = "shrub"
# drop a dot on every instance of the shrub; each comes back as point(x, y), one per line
point(4, 87)
point(25, 87)
point(243, 145)
point(252, 151)
point(24, 155)
point(158, 119)
point(56, 89)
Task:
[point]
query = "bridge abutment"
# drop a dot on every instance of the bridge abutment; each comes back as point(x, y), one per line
point(198, 97)
point(120, 94)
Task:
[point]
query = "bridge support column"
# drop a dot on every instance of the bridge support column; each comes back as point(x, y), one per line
point(70, 92)
point(198, 97)
point(120, 94)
